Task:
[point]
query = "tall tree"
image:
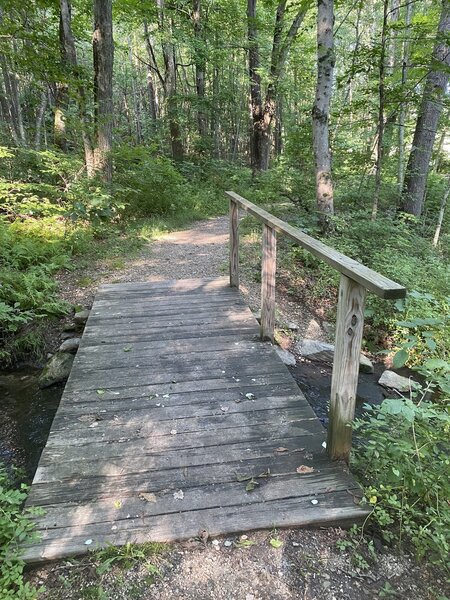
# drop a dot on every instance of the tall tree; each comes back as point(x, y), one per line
point(321, 110)
point(263, 111)
point(200, 66)
point(103, 51)
point(428, 118)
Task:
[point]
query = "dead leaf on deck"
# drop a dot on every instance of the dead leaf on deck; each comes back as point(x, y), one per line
point(251, 485)
point(147, 496)
point(241, 478)
point(303, 469)
point(281, 449)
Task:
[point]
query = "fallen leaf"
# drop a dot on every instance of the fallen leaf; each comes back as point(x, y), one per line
point(275, 543)
point(281, 449)
point(88, 542)
point(94, 424)
point(244, 543)
point(100, 392)
point(241, 478)
point(250, 396)
point(173, 431)
point(147, 496)
point(178, 495)
point(127, 349)
point(314, 502)
point(302, 469)
point(118, 504)
point(224, 408)
point(251, 485)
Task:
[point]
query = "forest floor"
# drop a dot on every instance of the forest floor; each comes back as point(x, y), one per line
point(306, 564)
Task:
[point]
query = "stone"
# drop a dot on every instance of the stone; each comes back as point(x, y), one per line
point(66, 335)
point(70, 327)
point(287, 357)
point(392, 380)
point(324, 352)
point(365, 364)
point(70, 345)
point(293, 326)
point(56, 370)
point(257, 315)
point(81, 317)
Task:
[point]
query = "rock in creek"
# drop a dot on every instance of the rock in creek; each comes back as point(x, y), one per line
point(81, 317)
point(70, 345)
point(323, 352)
point(56, 370)
point(287, 357)
point(392, 380)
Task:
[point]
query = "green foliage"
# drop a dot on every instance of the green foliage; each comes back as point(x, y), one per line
point(128, 555)
point(15, 529)
point(407, 482)
point(148, 185)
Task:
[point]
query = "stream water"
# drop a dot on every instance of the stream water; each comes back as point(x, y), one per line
point(26, 416)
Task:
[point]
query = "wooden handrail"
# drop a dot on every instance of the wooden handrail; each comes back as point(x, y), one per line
point(356, 279)
point(371, 280)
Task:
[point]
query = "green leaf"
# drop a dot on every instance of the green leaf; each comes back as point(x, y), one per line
point(400, 358)
point(100, 392)
point(276, 543)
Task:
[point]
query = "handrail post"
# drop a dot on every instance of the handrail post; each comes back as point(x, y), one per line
point(234, 244)
point(268, 269)
point(344, 382)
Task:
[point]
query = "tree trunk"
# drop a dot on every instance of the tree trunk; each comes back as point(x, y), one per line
point(12, 99)
point(437, 233)
point(200, 67)
point(39, 119)
point(103, 51)
point(135, 96)
point(152, 68)
point(402, 110)
point(381, 102)
point(69, 57)
point(428, 119)
point(263, 113)
point(321, 111)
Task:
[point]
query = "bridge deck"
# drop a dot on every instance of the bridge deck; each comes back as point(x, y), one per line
point(176, 419)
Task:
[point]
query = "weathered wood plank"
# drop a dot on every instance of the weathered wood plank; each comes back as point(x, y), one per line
point(193, 402)
point(268, 269)
point(344, 381)
point(331, 508)
point(371, 280)
point(234, 244)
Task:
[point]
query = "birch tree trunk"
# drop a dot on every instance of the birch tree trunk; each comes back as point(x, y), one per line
point(321, 111)
point(428, 119)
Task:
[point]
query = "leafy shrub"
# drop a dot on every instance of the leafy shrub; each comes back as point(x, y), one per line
point(148, 185)
point(15, 528)
point(407, 482)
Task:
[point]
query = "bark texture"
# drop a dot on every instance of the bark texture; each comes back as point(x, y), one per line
point(103, 51)
point(321, 110)
point(428, 119)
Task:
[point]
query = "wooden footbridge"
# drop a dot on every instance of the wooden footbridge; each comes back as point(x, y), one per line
point(178, 419)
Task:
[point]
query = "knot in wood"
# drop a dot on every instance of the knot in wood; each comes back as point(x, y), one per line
point(350, 331)
point(354, 320)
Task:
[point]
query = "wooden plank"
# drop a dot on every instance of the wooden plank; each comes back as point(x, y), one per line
point(124, 466)
point(129, 472)
point(206, 284)
point(371, 280)
point(331, 508)
point(194, 403)
point(344, 381)
point(268, 269)
point(234, 244)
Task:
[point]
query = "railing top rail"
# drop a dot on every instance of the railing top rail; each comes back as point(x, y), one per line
point(371, 280)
